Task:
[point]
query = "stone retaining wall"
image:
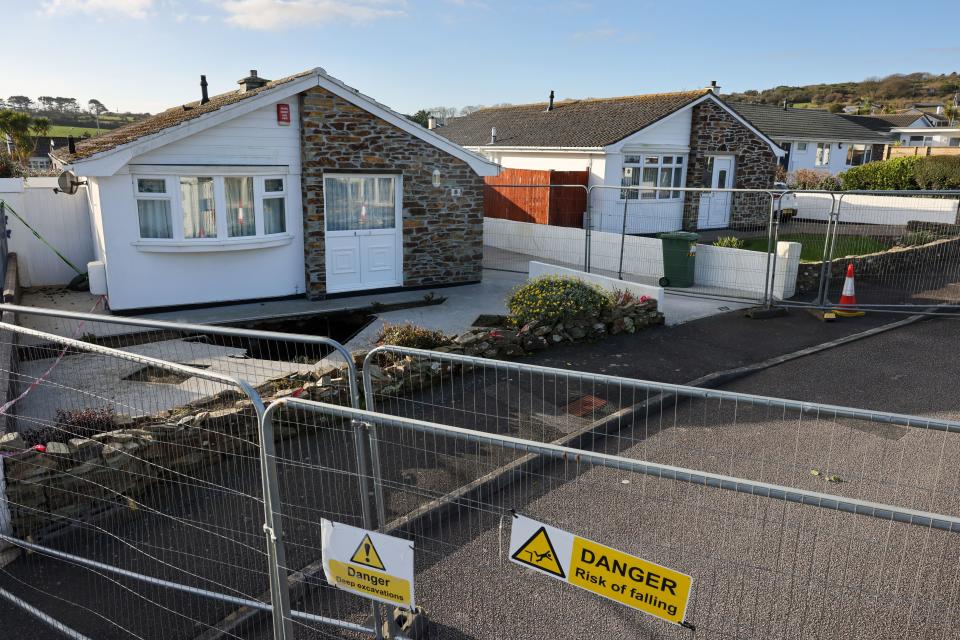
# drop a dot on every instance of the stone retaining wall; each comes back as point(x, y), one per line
point(898, 260)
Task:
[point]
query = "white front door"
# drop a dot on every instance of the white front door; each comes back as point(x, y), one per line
point(715, 206)
point(363, 231)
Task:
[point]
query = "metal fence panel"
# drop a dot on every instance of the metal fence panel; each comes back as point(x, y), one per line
point(767, 561)
point(145, 474)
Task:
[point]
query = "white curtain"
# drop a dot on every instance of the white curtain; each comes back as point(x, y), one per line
point(154, 218)
point(360, 202)
point(199, 212)
point(240, 216)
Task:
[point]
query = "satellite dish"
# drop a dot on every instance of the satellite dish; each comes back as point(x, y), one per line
point(67, 183)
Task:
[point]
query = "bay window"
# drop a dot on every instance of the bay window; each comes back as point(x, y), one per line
point(153, 208)
point(655, 174)
point(210, 209)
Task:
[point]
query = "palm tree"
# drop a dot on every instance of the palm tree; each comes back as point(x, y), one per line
point(22, 131)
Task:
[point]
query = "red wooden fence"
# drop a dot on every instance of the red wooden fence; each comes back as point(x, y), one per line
point(557, 206)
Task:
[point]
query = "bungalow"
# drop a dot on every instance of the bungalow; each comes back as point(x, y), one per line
point(815, 139)
point(297, 186)
point(683, 139)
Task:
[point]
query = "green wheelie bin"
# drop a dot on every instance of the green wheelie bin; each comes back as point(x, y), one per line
point(679, 258)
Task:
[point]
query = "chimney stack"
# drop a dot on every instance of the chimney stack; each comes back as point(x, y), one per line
point(71, 144)
point(252, 82)
point(431, 122)
point(550, 107)
point(493, 135)
point(204, 98)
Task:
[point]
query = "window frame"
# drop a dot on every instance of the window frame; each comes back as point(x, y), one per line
point(641, 162)
point(822, 157)
point(174, 195)
point(802, 147)
point(397, 200)
point(866, 154)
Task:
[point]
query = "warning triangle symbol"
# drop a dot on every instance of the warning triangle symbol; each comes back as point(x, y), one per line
point(366, 554)
point(538, 552)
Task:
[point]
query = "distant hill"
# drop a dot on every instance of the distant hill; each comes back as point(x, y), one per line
point(884, 95)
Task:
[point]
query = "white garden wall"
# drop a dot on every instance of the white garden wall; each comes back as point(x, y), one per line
point(717, 267)
point(64, 220)
point(538, 269)
point(868, 209)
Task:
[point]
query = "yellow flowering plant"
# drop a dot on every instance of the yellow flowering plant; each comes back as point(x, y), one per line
point(555, 298)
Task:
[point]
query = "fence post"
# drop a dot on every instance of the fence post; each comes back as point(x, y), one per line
point(586, 234)
point(771, 252)
point(623, 238)
point(829, 244)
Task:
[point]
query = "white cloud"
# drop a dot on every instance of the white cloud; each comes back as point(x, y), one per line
point(281, 14)
point(98, 8)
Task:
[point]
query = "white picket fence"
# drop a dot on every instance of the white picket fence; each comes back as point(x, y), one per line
point(63, 220)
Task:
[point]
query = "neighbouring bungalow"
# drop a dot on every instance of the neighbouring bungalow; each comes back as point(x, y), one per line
point(291, 187)
point(659, 141)
point(816, 139)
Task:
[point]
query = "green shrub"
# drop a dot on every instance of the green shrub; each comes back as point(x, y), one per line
point(938, 172)
point(9, 167)
point(554, 299)
point(731, 242)
point(916, 238)
point(410, 335)
point(896, 173)
point(807, 178)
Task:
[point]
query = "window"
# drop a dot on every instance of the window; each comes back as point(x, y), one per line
point(801, 146)
point(353, 202)
point(654, 174)
point(241, 219)
point(274, 209)
point(199, 208)
point(210, 207)
point(823, 154)
point(954, 142)
point(153, 208)
point(858, 154)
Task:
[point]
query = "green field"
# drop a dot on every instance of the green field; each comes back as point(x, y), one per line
point(61, 130)
point(812, 244)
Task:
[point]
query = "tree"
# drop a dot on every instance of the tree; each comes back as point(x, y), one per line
point(23, 130)
point(47, 103)
point(421, 117)
point(96, 108)
point(20, 103)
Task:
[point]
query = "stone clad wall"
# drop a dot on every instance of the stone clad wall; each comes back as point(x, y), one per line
point(714, 131)
point(442, 234)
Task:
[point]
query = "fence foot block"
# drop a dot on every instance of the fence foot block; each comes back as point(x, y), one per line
point(765, 313)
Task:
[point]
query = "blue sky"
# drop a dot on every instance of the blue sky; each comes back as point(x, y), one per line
point(148, 54)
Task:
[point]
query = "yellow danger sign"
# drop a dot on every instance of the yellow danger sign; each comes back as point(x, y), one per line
point(621, 577)
point(366, 554)
point(367, 563)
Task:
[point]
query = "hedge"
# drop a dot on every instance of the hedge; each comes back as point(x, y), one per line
point(912, 172)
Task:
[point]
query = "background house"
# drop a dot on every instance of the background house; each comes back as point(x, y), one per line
point(658, 141)
point(295, 186)
point(814, 139)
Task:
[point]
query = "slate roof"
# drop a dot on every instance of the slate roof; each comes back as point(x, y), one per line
point(810, 124)
point(164, 120)
point(887, 121)
point(571, 123)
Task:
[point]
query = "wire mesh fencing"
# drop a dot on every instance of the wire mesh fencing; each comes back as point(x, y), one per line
point(904, 247)
point(767, 560)
point(135, 489)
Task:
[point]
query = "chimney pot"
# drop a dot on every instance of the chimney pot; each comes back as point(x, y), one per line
point(493, 135)
point(550, 108)
point(71, 144)
point(252, 81)
point(204, 98)
point(431, 123)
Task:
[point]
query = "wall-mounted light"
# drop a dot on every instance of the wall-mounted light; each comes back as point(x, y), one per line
point(436, 178)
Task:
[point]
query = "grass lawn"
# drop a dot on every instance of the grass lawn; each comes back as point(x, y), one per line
point(62, 130)
point(812, 250)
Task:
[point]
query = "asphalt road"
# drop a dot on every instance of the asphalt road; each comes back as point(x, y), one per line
point(761, 568)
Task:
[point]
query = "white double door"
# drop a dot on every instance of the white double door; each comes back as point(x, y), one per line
point(715, 206)
point(363, 231)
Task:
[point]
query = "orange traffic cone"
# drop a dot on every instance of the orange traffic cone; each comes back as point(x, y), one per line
point(848, 297)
